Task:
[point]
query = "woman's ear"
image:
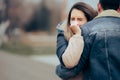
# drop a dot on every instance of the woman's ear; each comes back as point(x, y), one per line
point(99, 7)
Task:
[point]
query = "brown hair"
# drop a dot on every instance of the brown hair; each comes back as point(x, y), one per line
point(89, 12)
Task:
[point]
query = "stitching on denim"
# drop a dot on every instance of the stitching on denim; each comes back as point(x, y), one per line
point(106, 51)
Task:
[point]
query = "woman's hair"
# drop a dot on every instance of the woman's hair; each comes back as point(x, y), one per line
point(89, 12)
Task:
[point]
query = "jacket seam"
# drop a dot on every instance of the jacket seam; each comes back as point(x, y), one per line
point(107, 55)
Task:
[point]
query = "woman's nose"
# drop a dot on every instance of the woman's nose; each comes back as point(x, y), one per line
point(74, 23)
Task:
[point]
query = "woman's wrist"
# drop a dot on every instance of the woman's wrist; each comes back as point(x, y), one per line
point(78, 33)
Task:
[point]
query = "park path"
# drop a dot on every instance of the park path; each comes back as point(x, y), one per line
point(14, 67)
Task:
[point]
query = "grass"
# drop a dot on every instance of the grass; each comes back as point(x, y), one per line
point(17, 47)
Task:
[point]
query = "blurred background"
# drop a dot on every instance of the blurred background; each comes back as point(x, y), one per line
point(28, 37)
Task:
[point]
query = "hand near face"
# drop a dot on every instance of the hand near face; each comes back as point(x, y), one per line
point(75, 28)
point(77, 19)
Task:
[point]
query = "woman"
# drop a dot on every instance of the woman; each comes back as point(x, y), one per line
point(69, 40)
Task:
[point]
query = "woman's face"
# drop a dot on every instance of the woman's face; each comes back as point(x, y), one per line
point(77, 17)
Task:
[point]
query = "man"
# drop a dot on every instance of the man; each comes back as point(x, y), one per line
point(100, 58)
point(102, 39)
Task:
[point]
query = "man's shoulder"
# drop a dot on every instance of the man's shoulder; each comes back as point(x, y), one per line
point(91, 26)
point(100, 24)
point(87, 26)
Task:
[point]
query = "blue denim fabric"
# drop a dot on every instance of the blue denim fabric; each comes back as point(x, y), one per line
point(63, 72)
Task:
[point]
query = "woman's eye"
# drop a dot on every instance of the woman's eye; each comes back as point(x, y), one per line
point(79, 19)
point(72, 19)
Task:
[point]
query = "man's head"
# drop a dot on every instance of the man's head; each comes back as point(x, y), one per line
point(108, 4)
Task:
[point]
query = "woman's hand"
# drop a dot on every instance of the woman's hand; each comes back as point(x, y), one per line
point(75, 29)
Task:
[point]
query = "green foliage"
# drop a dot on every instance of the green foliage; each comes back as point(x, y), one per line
point(17, 47)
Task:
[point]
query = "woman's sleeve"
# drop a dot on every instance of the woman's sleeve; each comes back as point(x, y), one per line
point(74, 49)
point(73, 52)
point(65, 73)
point(69, 53)
point(61, 46)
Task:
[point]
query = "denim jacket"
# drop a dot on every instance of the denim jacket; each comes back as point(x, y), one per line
point(100, 58)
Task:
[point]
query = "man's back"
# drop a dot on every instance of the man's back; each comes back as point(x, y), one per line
point(102, 41)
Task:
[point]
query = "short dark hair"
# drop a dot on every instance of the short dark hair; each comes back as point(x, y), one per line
point(109, 4)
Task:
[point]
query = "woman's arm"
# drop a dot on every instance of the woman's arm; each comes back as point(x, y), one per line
point(73, 51)
point(62, 44)
point(69, 52)
point(66, 73)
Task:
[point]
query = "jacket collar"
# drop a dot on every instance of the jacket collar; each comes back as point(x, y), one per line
point(61, 26)
point(111, 12)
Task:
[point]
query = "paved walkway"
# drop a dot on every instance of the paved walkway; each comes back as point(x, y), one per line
point(48, 59)
point(14, 67)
